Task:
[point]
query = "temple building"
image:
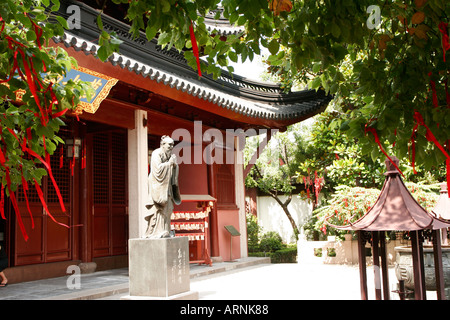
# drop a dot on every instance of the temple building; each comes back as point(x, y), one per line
point(145, 92)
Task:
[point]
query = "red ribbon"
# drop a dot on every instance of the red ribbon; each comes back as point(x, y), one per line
point(44, 204)
point(433, 89)
point(430, 137)
point(195, 48)
point(12, 196)
point(2, 203)
point(35, 84)
point(25, 189)
point(50, 173)
point(61, 157)
point(445, 39)
point(377, 140)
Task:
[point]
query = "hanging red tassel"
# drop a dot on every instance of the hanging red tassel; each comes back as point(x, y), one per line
point(317, 185)
point(195, 48)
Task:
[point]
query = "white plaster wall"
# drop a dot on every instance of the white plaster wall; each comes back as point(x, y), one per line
point(271, 216)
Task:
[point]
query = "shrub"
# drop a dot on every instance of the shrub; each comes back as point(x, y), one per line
point(271, 241)
point(286, 255)
point(253, 231)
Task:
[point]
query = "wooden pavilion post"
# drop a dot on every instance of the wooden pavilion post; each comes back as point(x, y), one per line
point(384, 266)
point(362, 264)
point(376, 264)
point(419, 275)
point(438, 267)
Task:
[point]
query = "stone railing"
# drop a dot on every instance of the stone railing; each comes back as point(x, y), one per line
point(339, 252)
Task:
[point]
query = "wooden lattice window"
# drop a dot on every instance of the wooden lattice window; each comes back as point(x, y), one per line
point(118, 164)
point(101, 168)
point(62, 176)
point(225, 186)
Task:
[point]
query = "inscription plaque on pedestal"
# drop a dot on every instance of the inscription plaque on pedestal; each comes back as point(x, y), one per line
point(159, 267)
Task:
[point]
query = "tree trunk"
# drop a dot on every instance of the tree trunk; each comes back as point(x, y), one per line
point(286, 211)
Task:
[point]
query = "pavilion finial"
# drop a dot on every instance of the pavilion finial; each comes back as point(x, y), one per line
point(391, 166)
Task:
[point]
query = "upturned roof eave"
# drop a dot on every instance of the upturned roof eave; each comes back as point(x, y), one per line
point(243, 96)
point(309, 103)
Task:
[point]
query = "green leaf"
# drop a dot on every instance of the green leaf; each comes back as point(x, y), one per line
point(233, 56)
point(165, 6)
point(335, 30)
point(315, 83)
point(317, 66)
point(62, 22)
point(274, 46)
point(56, 5)
point(150, 32)
point(99, 22)
point(103, 53)
point(31, 36)
point(164, 38)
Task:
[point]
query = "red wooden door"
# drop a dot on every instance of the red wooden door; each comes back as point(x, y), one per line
point(48, 241)
point(110, 193)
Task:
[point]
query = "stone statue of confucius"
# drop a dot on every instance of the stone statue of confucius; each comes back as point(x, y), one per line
point(163, 191)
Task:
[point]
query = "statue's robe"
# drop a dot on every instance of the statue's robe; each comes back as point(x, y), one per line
point(163, 193)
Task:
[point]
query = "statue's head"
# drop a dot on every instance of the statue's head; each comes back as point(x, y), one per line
point(167, 144)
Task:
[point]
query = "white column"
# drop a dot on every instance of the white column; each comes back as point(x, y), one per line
point(137, 175)
point(240, 196)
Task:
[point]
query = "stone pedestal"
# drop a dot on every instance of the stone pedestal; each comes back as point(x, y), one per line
point(159, 269)
point(87, 267)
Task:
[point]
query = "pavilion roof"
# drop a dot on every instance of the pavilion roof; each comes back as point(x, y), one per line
point(395, 209)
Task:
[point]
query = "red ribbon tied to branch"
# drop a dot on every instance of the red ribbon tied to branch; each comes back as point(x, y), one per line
point(430, 137)
point(195, 48)
point(433, 89)
point(443, 27)
point(377, 140)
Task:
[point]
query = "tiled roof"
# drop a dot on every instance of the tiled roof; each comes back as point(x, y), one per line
point(147, 59)
point(222, 25)
point(268, 102)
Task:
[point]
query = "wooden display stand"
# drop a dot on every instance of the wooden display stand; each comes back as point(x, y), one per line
point(193, 224)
